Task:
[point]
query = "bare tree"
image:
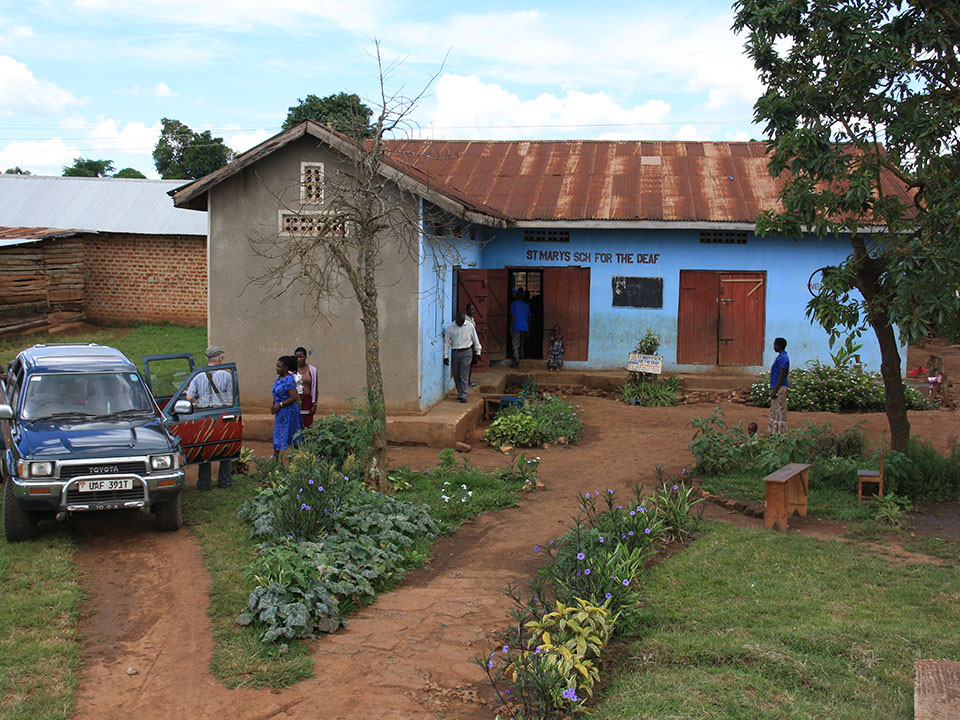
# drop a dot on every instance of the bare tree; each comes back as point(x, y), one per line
point(368, 218)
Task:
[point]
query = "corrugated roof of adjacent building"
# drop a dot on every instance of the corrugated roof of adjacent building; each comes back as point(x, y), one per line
point(10, 236)
point(118, 205)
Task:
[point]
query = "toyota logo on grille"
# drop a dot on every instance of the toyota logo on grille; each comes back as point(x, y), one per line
point(102, 469)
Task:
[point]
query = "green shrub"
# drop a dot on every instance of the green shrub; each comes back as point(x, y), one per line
point(921, 473)
point(835, 389)
point(651, 392)
point(548, 419)
point(334, 438)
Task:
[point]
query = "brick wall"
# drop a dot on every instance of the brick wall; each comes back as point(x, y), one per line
point(156, 278)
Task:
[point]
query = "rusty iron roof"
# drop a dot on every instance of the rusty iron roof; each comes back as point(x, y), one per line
point(614, 181)
point(560, 181)
point(600, 180)
point(10, 236)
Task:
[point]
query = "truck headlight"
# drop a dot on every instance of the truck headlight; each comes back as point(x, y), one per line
point(161, 462)
point(35, 469)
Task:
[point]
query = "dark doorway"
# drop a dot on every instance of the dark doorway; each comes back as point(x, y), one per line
point(530, 282)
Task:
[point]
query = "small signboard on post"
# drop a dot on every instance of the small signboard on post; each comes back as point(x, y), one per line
point(638, 362)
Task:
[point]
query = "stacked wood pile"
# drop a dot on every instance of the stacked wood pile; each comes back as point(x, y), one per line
point(41, 279)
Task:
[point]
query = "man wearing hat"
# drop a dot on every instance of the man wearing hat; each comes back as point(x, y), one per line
point(206, 394)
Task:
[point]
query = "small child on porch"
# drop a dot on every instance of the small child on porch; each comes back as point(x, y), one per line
point(555, 350)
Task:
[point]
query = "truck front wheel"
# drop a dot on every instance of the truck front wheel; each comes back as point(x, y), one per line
point(17, 523)
point(169, 514)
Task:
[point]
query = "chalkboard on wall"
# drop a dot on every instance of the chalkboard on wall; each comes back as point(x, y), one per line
point(639, 292)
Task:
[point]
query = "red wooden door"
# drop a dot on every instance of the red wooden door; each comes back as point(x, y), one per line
point(566, 302)
point(487, 290)
point(741, 318)
point(697, 318)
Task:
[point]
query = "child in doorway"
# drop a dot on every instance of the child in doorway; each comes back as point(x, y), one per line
point(555, 351)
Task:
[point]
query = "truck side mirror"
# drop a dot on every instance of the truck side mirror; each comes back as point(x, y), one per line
point(182, 407)
point(6, 412)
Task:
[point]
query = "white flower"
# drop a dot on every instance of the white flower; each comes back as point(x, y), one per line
point(446, 498)
point(470, 493)
point(463, 487)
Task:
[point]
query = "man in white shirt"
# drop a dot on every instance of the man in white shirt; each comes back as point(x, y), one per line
point(459, 342)
point(207, 395)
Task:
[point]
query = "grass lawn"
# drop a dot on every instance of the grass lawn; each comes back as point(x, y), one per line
point(39, 610)
point(239, 658)
point(746, 623)
point(133, 341)
point(824, 500)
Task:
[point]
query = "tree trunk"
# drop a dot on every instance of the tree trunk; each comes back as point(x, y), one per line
point(375, 472)
point(869, 284)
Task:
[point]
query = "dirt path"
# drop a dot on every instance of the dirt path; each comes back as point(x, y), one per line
point(408, 655)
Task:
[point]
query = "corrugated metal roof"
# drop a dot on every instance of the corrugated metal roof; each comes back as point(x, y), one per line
point(118, 205)
point(598, 180)
point(10, 236)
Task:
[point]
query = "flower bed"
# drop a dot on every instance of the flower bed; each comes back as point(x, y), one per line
point(548, 662)
point(540, 420)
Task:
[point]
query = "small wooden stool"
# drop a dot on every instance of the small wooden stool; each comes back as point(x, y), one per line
point(870, 476)
point(786, 494)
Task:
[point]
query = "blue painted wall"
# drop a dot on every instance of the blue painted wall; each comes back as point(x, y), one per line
point(436, 302)
point(614, 330)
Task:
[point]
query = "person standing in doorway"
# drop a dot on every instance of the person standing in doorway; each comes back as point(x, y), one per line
point(470, 317)
point(519, 325)
point(779, 386)
point(205, 394)
point(460, 341)
point(306, 377)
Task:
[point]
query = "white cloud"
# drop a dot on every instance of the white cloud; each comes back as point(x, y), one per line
point(161, 89)
point(358, 16)
point(113, 136)
point(43, 157)
point(241, 142)
point(11, 33)
point(469, 108)
point(22, 93)
point(690, 132)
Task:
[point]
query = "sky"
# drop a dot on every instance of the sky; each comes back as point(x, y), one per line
point(93, 78)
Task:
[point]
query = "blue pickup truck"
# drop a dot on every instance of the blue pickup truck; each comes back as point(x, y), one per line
point(82, 431)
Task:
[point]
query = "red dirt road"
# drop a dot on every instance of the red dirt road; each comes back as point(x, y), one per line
point(407, 655)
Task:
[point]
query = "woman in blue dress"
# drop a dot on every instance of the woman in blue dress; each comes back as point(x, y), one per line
point(286, 406)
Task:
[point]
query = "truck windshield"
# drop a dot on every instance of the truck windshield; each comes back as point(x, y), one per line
point(84, 394)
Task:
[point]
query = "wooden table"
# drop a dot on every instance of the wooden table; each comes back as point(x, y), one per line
point(786, 494)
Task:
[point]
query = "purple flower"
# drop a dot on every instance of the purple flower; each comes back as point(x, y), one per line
point(580, 556)
point(587, 571)
point(647, 531)
point(630, 533)
point(506, 648)
point(626, 583)
point(633, 512)
point(587, 495)
point(489, 663)
point(571, 695)
point(536, 650)
point(310, 481)
point(676, 487)
point(536, 548)
point(609, 491)
point(320, 489)
point(608, 596)
point(601, 538)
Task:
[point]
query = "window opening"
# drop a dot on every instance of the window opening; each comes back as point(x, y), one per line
point(724, 237)
point(546, 235)
point(311, 182)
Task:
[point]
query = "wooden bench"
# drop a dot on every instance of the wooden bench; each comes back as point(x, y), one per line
point(873, 477)
point(786, 494)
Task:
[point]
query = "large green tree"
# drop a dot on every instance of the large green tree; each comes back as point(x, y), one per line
point(344, 112)
point(862, 111)
point(129, 172)
point(182, 154)
point(87, 167)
